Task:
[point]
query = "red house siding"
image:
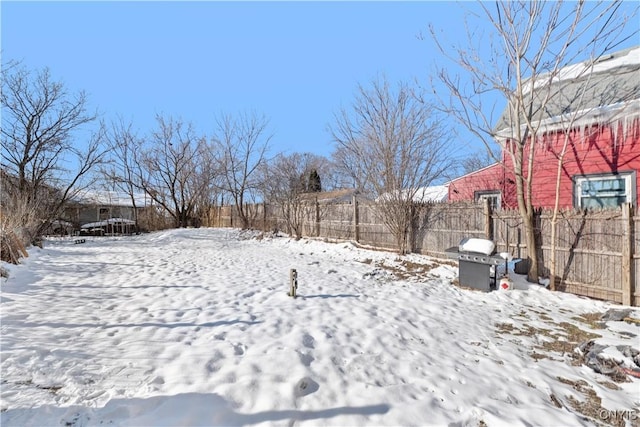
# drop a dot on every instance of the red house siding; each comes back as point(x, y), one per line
point(593, 151)
point(491, 178)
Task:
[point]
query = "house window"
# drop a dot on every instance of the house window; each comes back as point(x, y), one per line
point(493, 197)
point(103, 213)
point(604, 190)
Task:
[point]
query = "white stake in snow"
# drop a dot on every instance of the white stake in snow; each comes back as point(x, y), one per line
point(293, 278)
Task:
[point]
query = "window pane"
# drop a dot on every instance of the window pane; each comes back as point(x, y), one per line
point(595, 187)
point(494, 199)
point(604, 191)
point(602, 202)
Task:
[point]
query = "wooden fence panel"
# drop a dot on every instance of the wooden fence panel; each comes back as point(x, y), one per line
point(509, 234)
point(597, 252)
point(372, 230)
point(441, 226)
point(588, 252)
point(336, 221)
point(309, 223)
point(273, 219)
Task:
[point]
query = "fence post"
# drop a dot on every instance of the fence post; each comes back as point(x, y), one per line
point(627, 254)
point(356, 219)
point(488, 222)
point(317, 218)
point(264, 217)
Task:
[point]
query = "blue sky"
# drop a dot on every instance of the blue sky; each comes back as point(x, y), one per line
point(295, 62)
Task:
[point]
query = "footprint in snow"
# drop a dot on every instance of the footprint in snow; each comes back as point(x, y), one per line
point(306, 359)
point(238, 349)
point(305, 387)
point(308, 341)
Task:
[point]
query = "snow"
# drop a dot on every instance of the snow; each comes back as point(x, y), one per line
point(112, 198)
point(630, 57)
point(107, 222)
point(431, 194)
point(621, 116)
point(481, 246)
point(610, 62)
point(194, 327)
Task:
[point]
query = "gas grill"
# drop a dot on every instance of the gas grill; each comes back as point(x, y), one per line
point(475, 259)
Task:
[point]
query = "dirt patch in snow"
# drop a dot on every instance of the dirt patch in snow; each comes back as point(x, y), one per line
point(573, 343)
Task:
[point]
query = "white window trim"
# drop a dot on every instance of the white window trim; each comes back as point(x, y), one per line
point(479, 196)
point(628, 176)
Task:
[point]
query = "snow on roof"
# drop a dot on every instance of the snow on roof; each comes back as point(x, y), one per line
point(604, 91)
point(609, 62)
point(111, 198)
point(435, 193)
point(431, 194)
point(61, 223)
point(110, 221)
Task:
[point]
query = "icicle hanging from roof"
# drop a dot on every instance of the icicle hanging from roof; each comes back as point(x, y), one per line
point(582, 131)
point(624, 127)
point(615, 131)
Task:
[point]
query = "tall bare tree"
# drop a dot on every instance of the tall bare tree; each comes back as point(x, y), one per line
point(285, 182)
point(529, 43)
point(391, 144)
point(123, 166)
point(39, 122)
point(477, 161)
point(176, 169)
point(242, 144)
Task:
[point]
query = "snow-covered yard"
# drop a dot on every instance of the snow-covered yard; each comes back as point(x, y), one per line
point(194, 327)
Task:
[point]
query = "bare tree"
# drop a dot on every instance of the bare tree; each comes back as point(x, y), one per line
point(211, 182)
point(241, 143)
point(391, 144)
point(176, 169)
point(39, 119)
point(285, 181)
point(329, 174)
point(530, 43)
point(477, 161)
point(123, 166)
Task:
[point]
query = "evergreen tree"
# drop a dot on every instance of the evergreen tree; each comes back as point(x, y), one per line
point(314, 185)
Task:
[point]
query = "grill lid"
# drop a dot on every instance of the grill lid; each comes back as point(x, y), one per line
point(475, 245)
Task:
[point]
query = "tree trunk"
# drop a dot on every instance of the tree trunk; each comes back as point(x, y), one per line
point(532, 245)
point(527, 214)
point(553, 285)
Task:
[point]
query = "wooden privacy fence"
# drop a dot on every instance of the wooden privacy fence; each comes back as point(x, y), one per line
point(597, 252)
